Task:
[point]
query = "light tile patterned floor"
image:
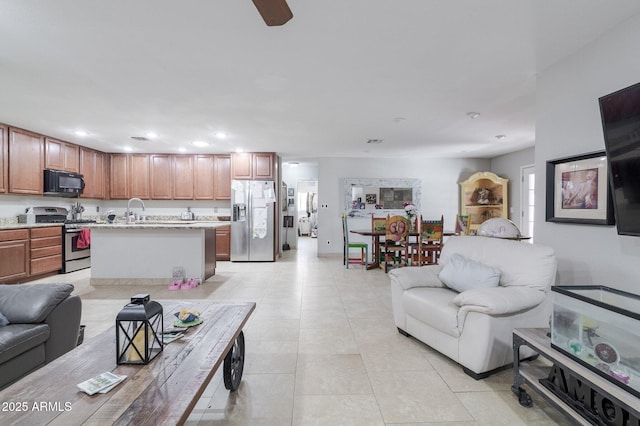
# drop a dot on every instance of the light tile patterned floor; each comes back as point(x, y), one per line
point(322, 349)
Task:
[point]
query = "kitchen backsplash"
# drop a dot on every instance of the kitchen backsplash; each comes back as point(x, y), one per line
point(11, 206)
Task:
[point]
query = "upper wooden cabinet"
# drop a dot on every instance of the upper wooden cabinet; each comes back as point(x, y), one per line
point(130, 176)
point(26, 162)
point(222, 177)
point(183, 177)
point(4, 158)
point(160, 176)
point(60, 155)
point(93, 167)
point(204, 177)
point(139, 176)
point(118, 177)
point(253, 165)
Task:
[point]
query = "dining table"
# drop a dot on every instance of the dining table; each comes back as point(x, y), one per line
point(375, 240)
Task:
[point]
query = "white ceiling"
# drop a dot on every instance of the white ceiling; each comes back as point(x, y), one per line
point(339, 73)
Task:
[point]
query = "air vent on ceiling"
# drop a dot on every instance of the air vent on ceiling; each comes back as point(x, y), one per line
point(374, 141)
point(140, 138)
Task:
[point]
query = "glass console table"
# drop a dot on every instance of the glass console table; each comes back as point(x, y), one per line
point(583, 396)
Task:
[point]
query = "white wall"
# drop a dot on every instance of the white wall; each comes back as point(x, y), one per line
point(568, 123)
point(440, 192)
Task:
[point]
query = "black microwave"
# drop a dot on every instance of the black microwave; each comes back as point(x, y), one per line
point(59, 183)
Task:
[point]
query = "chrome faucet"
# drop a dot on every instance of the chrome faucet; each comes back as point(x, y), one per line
point(129, 206)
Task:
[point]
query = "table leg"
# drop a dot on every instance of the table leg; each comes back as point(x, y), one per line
point(376, 252)
point(234, 364)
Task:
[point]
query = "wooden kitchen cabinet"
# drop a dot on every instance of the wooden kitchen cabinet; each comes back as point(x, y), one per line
point(93, 167)
point(160, 177)
point(45, 250)
point(253, 165)
point(223, 243)
point(119, 177)
point(183, 174)
point(14, 255)
point(241, 165)
point(139, 176)
point(130, 176)
point(59, 155)
point(222, 177)
point(204, 177)
point(264, 165)
point(26, 162)
point(4, 158)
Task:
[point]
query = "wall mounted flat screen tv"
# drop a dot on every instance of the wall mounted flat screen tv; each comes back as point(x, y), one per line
point(620, 112)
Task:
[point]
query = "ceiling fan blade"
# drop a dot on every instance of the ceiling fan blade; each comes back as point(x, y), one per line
point(274, 12)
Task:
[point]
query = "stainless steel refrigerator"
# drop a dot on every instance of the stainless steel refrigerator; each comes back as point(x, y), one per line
point(253, 209)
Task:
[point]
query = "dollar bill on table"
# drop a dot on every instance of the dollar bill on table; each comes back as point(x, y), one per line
point(99, 382)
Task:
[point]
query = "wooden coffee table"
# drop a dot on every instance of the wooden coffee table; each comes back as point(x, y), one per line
point(161, 392)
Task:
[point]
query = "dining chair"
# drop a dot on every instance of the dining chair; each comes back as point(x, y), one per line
point(363, 247)
point(396, 248)
point(431, 239)
point(462, 224)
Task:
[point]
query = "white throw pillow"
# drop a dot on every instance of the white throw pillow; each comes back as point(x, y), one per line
point(461, 274)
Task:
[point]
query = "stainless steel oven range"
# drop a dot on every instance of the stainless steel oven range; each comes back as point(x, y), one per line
point(73, 257)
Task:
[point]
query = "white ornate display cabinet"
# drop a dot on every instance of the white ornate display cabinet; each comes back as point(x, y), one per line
point(483, 196)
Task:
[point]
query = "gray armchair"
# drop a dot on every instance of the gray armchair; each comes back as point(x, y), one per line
point(44, 320)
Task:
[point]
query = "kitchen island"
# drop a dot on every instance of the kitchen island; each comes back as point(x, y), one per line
point(146, 253)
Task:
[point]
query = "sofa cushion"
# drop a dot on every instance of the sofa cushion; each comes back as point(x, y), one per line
point(31, 303)
point(18, 338)
point(462, 274)
point(434, 307)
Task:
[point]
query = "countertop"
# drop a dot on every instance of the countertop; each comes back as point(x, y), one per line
point(184, 224)
point(7, 226)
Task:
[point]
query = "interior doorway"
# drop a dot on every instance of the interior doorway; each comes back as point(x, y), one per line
point(307, 208)
point(527, 200)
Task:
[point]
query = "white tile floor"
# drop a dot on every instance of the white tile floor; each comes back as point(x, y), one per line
point(322, 349)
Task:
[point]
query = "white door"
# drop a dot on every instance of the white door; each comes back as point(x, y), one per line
point(527, 200)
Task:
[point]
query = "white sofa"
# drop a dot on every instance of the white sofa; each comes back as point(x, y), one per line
point(474, 327)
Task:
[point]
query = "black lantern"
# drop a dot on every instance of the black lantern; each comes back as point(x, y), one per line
point(139, 329)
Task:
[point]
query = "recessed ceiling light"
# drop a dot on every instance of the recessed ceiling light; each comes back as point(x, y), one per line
point(152, 135)
point(473, 115)
point(200, 143)
point(128, 148)
point(239, 150)
point(374, 141)
point(182, 149)
point(500, 137)
point(221, 135)
point(140, 138)
point(80, 133)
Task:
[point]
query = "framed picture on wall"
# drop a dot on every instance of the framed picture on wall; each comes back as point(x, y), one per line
point(291, 192)
point(578, 190)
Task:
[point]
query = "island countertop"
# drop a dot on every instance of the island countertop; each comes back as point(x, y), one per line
point(148, 252)
point(184, 224)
